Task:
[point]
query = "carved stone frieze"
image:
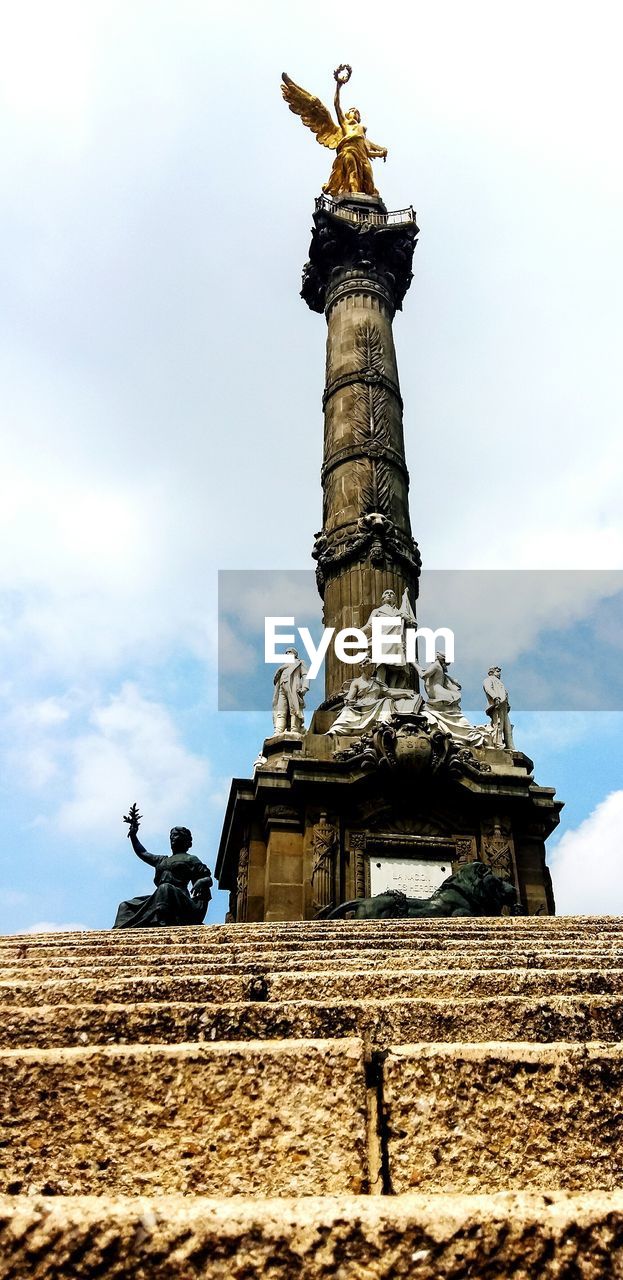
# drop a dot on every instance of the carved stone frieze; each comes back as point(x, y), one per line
point(406, 826)
point(282, 815)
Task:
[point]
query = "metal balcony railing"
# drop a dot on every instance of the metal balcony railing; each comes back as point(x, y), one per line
point(400, 217)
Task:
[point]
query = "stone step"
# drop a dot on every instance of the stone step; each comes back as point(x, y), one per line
point(294, 928)
point(342, 933)
point(523, 1235)
point(148, 952)
point(252, 962)
point(231, 1119)
point(381, 1023)
point(358, 984)
point(486, 1117)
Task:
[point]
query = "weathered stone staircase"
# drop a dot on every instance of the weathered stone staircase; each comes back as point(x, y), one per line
point(384, 1099)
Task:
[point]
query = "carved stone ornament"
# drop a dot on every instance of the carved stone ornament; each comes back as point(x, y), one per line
point(465, 849)
point(375, 538)
point(324, 850)
point(421, 745)
point(497, 848)
point(373, 750)
point(281, 813)
point(461, 760)
point(357, 846)
point(341, 243)
point(242, 883)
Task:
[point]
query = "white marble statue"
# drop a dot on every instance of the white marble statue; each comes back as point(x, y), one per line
point(291, 685)
point(394, 674)
point(443, 707)
point(370, 701)
point(498, 707)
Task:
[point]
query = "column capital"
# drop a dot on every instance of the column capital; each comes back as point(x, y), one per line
point(358, 246)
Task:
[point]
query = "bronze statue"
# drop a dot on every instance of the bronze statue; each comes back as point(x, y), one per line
point(472, 891)
point(171, 904)
point(352, 170)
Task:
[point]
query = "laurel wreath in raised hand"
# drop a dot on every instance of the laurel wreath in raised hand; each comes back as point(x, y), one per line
point(133, 819)
point(343, 73)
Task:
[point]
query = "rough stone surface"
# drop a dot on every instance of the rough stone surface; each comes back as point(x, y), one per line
point(423, 1238)
point(382, 1023)
point(322, 984)
point(244, 1062)
point(489, 1117)
point(253, 1119)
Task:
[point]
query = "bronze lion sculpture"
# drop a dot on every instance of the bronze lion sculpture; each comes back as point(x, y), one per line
point(472, 891)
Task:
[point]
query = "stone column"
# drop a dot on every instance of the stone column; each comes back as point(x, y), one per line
point(358, 273)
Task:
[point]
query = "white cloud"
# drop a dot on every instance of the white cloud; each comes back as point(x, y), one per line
point(586, 864)
point(497, 615)
point(556, 731)
point(134, 752)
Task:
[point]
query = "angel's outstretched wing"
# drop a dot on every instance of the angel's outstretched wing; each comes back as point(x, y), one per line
point(312, 111)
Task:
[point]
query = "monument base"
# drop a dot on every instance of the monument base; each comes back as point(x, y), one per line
point(400, 808)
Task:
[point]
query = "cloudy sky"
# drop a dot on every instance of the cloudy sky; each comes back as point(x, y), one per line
point(161, 382)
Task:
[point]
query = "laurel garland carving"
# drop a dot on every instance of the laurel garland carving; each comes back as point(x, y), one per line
point(369, 347)
point(383, 487)
point(371, 419)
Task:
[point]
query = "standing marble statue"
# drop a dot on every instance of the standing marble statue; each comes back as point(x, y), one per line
point(395, 674)
point(291, 685)
point(171, 903)
point(443, 707)
point(498, 708)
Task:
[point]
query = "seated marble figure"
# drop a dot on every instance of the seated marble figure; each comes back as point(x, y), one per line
point(171, 903)
point(368, 701)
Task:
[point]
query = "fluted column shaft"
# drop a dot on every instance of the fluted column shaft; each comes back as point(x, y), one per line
point(358, 273)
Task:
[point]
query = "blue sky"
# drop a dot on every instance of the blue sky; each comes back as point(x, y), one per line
point(162, 381)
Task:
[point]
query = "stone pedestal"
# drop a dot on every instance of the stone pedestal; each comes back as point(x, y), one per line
point(312, 829)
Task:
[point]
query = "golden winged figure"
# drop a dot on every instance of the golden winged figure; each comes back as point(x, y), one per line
point(352, 170)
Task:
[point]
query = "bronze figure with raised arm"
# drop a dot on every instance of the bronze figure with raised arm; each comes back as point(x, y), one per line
point(352, 168)
point(172, 903)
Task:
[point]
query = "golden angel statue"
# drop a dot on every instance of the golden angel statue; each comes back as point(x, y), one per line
point(352, 170)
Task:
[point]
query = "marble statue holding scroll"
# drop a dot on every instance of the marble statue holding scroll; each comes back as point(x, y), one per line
point(291, 685)
point(443, 708)
point(473, 890)
point(172, 902)
point(498, 707)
